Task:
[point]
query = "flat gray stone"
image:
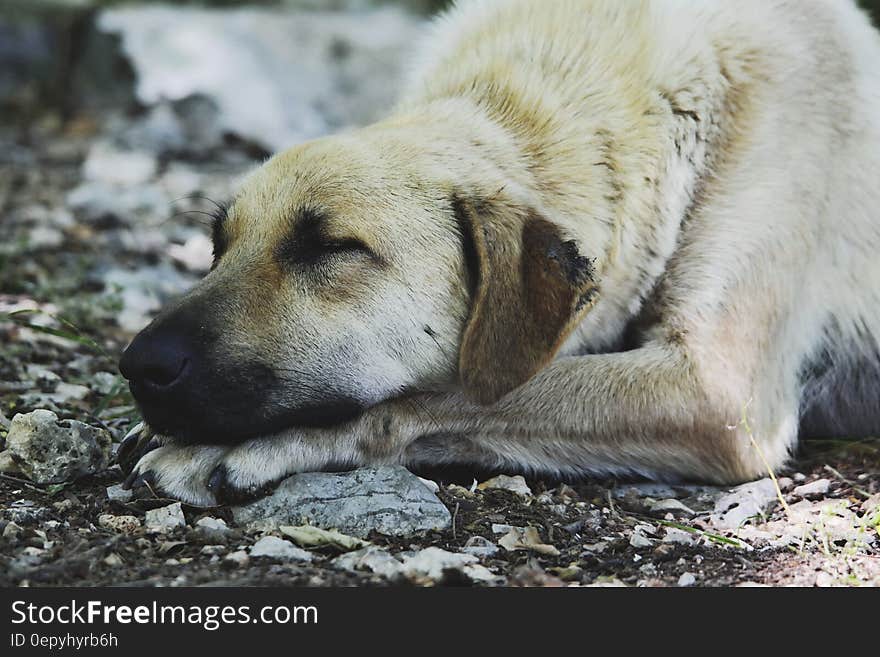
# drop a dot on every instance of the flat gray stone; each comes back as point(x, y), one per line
point(388, 499)
point(743, 502)
point(52, 451)
point(818, 487)
point(118, 494)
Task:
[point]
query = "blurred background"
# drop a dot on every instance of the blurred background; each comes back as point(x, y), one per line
point(122, 125)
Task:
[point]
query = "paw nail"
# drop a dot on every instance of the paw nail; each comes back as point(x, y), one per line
point(217, 480)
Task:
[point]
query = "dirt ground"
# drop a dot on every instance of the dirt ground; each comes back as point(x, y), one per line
point(61, 355)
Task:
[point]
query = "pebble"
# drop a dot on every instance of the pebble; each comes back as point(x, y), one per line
point(432, 562)
point(671, 505)
point(674, 535)
point(117, 493)
point(238, 558)
point(374, 559)
point(741, 503)
point(121, 524)
point(639, 540)
point(687, 579)
point(480, 547)
point(113, 560)
point(516, 484)
point(8, 464)
point(278, 548)
point(818, 487)
point(165, 519)
point(213, 528)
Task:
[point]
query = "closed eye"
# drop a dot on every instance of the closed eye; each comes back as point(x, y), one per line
point(347, 245)
point(309, 243)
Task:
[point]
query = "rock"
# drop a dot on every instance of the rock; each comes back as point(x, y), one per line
point(11, 531)
point(687, 579)
point(8, 464)
point(432, 562)
point(213, 529)
point(118, 494)
point(670, 505)
point(741, 503)
point(304, 73)
point(104, 382)
point(372, 558)
point(238, 558)
point(113, 560)
point(818, 487)
point(639, 540)
point(674, 535)
point(277, 548)
point(121, 524)
point(165, 519)
point(480, 547)
point(432, 486)
point(871, 505)
point(516, 484)
point(388, 499)
point(52, 451)
point(24, 512)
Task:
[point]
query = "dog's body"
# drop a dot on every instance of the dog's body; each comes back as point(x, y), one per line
point(594, 238)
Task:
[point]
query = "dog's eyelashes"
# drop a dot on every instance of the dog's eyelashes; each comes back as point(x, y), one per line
point(347, 246)
point(219, 215)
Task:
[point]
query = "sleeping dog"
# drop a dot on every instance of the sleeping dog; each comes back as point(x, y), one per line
point(629, 238)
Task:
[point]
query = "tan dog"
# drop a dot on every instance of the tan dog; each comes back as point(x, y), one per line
point(593, 238)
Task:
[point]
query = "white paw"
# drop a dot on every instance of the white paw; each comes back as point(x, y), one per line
point(180, 472)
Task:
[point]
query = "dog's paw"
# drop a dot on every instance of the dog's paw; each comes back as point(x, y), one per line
point(137, 442)
point(179, 472)
point(233, 485)
point(249, 471)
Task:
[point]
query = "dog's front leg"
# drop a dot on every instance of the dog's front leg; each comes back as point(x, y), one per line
point(651, 411)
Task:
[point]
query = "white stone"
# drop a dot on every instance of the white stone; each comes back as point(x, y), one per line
point(687, 579)
point(165, 519)
point(818, 487)
point(278, 548)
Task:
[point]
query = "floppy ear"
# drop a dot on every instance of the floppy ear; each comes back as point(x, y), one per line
point(530, 288)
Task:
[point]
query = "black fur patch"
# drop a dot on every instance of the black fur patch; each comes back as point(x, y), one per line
point(841, 389)
point(578, 269)
point(465, 228)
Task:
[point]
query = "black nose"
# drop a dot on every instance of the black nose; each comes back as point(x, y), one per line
point(156, 362)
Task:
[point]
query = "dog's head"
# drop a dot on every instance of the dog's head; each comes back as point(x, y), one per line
point(348, 271)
